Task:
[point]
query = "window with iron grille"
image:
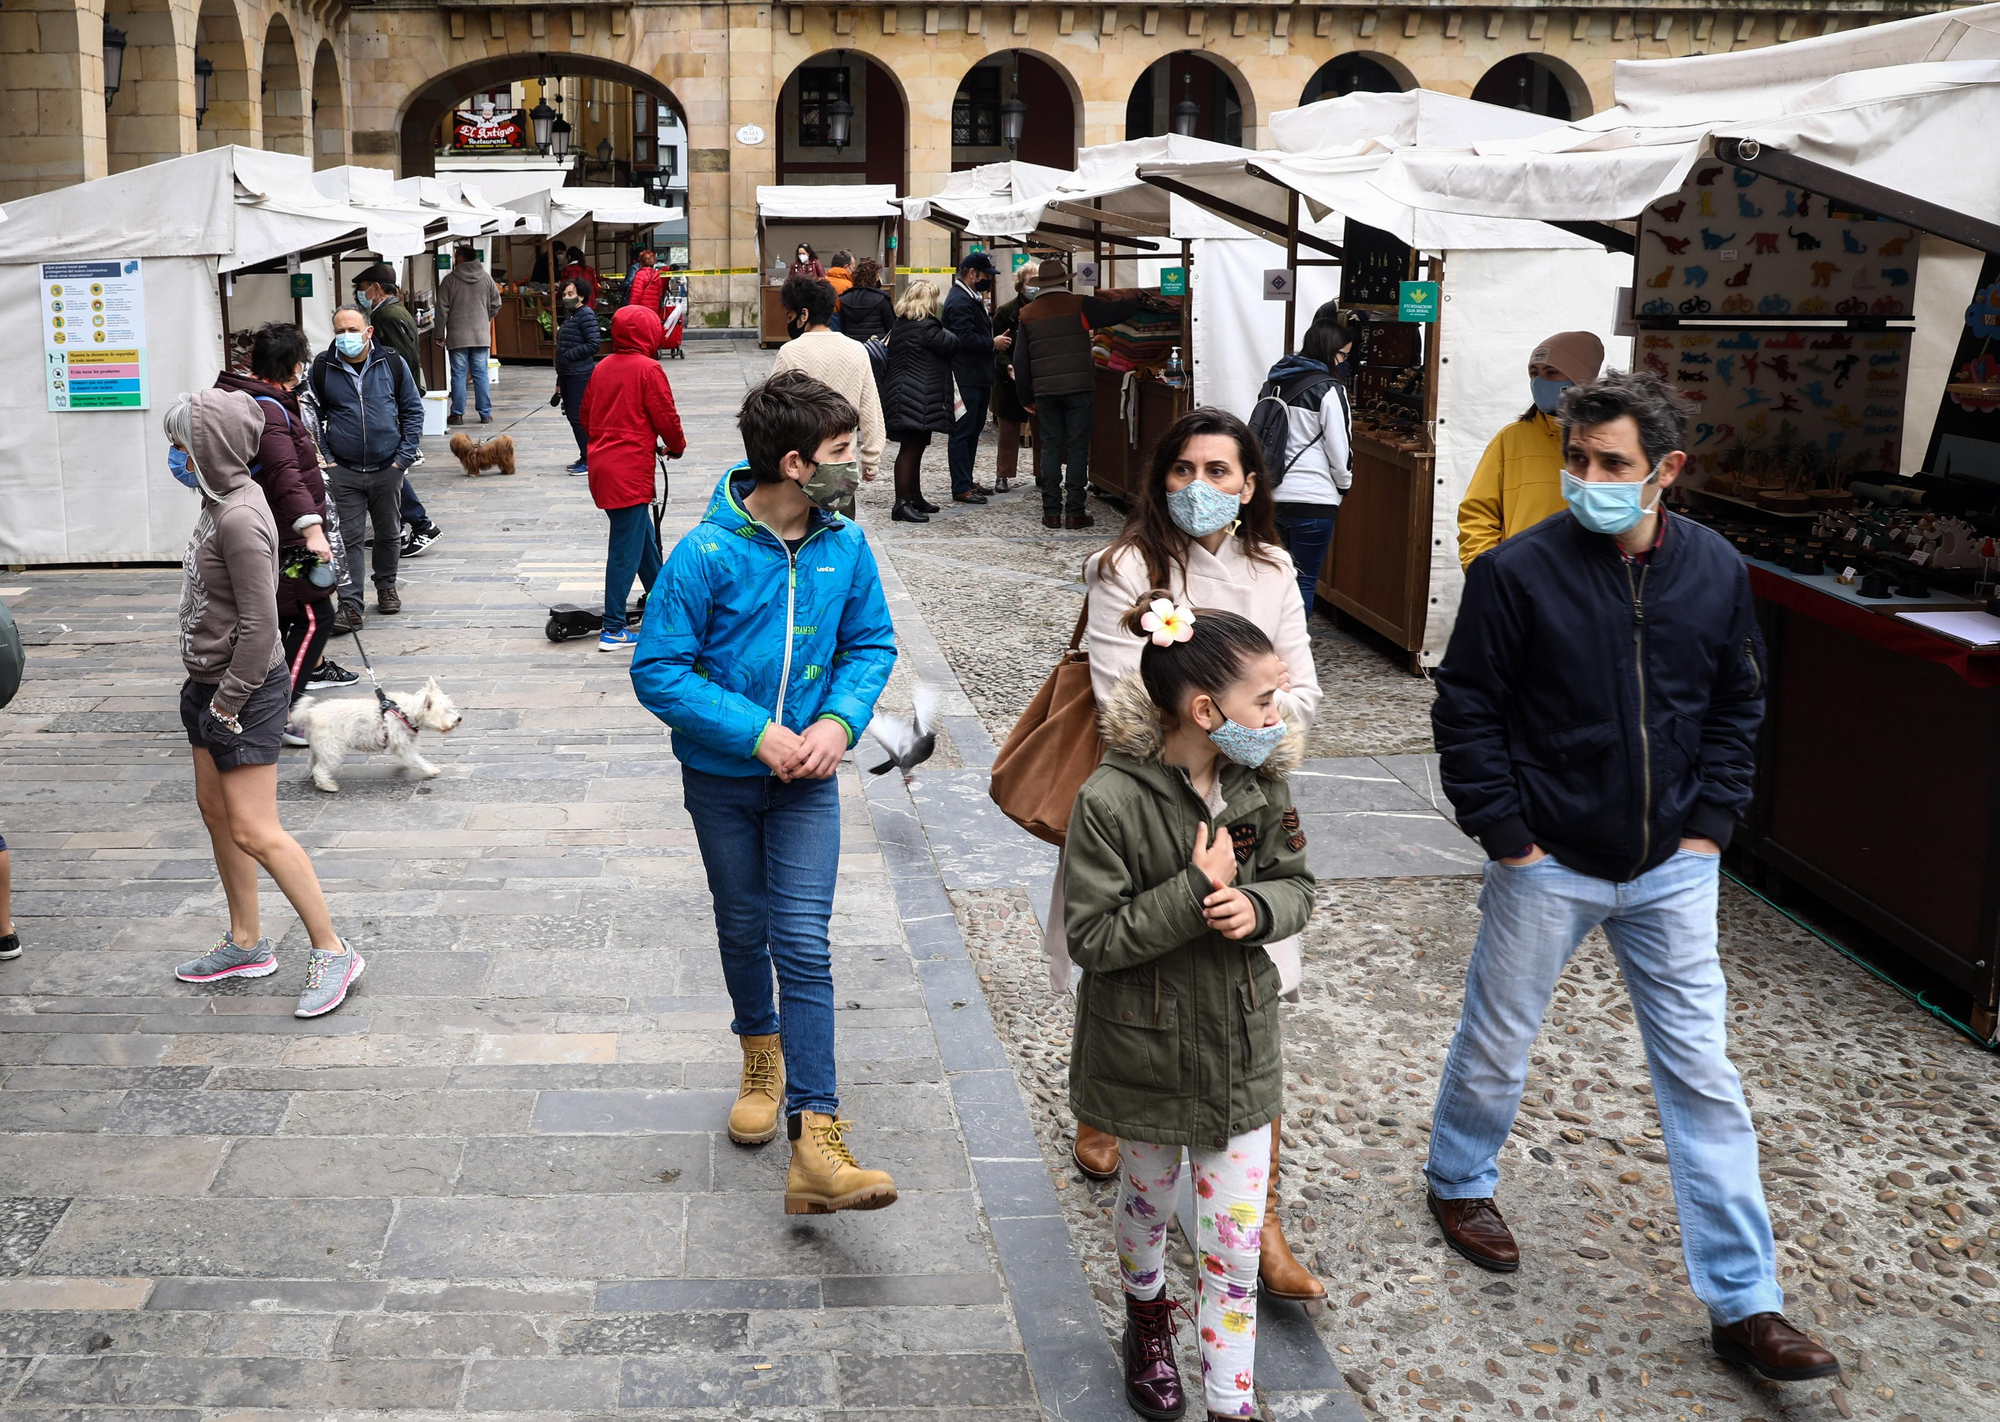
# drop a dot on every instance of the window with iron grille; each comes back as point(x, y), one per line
point(818, 88)
point(975, 113)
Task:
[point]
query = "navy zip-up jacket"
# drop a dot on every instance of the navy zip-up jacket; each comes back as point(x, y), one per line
point(966, 318)
point(1599, 709)
point(375, 424)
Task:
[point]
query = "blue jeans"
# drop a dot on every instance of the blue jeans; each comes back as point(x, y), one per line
point(412, 511)
point(965, 435)
point(1306, 538)
point(1662, 929)
point(482, 398)
point(772, 851)
point(633, 549)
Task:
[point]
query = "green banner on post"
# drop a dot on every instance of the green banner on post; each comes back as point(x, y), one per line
point(1173, 281)
point(1419, 301)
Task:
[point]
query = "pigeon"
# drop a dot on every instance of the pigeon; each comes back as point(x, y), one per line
point(909, 742)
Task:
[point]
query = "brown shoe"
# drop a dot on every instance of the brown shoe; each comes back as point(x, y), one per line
point(824, 1176)
point(388, 601)
point(1095, 1153)
point(1051, 520)
point(1474, 1228)
point(753, 1120)
point(348, 618)
point(1278, 1269)
point(1778, 1351)
point(1152, 1375)
point(1079, 521)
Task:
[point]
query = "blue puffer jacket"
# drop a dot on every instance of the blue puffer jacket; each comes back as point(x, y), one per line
point(736, 624)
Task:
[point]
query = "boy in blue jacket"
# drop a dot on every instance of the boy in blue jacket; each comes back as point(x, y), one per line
point(765, 644)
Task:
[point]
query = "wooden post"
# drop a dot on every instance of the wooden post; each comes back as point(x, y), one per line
point(1292, 265)
point(222, 295)
point(1185, 400)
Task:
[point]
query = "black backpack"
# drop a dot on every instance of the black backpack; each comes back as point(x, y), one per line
point(1270, 420)
point(13, 660)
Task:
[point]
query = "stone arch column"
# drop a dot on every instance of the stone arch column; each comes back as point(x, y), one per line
point(287, 111)
point(51, 77)
point(152, 115)
point(329, 109)
point(234, 113)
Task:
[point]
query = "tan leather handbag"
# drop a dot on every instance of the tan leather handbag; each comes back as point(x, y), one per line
point(1053, 748)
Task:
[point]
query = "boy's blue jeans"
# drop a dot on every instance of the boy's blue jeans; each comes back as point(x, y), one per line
point(471, 361)
point(632, 549)
point(772, 851)
point(1662, 929)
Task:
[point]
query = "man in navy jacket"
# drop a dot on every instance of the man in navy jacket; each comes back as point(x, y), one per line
point(966, 317)
point(1596, 718)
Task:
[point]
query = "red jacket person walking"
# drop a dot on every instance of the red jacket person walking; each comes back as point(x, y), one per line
point(628, 411)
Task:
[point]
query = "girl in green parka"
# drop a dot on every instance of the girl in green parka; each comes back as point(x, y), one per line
point(1184, 856)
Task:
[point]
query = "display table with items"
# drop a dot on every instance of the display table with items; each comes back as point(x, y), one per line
point(1141, 389)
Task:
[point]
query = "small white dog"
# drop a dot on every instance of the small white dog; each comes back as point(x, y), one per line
point(333, 728)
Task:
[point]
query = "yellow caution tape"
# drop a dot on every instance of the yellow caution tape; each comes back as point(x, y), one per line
point(710, 271)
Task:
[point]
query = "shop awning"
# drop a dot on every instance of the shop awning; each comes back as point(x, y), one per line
point(466, 209)
point(827, 202)
point(243, 206)
point(1906, 108)
point(969, 194)
point(558, 211)
point(1106, 191)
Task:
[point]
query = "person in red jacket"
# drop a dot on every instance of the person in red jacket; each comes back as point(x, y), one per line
point(645, 288)
point(628, 409)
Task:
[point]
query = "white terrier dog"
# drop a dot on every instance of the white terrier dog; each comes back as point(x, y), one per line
point(333, 728)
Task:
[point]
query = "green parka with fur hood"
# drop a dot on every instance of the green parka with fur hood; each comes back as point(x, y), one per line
point(1176, 1026)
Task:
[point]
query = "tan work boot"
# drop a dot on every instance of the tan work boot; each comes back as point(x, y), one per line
point(753, 1120)
point(1278, 1269)
point(824, 1176)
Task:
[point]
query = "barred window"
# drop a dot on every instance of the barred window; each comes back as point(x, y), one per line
point(818, 88)
point(975, 113)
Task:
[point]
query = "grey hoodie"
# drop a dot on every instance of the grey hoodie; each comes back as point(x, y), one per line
point(467, 301)
point(229, 574)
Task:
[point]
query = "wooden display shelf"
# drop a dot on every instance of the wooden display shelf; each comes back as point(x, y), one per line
point(1378, 569)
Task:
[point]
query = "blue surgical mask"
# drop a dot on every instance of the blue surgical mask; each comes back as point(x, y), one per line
point(350, 343)
point(179, 465)
point(1201, 509)
point(1247, 745)
point(1548, 393)
point(1608, 508)
point(361, 300)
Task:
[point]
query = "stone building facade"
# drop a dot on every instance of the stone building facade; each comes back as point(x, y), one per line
point(366, 83)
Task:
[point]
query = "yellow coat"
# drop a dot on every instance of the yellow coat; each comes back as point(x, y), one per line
point(1517, 485)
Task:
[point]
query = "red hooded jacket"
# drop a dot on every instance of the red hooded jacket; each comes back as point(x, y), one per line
point(645, 289)
point(627, 406)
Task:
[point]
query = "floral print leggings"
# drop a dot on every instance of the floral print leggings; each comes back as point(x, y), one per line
point(1229, 1187)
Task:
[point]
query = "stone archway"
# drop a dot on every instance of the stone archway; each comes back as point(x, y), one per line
point(425, 107)
point(878, 150)
point(152, 115)
point(287, 125)
point(1049, 133)
point(1357, 73)
point(233, 106)
point(1535, 83)
point(329, 110)
point(1222, 102)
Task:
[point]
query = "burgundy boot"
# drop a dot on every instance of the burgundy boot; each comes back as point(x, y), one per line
point(1152, 1377)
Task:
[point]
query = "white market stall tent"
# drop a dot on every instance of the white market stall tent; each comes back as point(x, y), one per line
point(860, 217)
point(90, 485)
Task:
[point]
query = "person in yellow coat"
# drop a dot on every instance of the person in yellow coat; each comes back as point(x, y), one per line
point(1519, 479)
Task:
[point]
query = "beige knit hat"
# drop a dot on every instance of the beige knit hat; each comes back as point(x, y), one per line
point(1577, 354)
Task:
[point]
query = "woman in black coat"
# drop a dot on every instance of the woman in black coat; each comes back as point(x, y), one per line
point(865, 309)
point(917, 392)
point(577, 342)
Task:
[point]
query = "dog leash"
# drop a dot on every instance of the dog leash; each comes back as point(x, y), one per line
point(389, 708)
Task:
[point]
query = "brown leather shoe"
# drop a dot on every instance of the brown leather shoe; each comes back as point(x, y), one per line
point(1079, 520)
point(1778, 1351)
point(1095, 1153)
point(1152, 1376)
point(1278, 1269)
point(388, 601)
point(1051, 520)
point(1474, 1228)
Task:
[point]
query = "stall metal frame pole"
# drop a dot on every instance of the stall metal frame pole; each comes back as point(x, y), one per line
point(1292, 266)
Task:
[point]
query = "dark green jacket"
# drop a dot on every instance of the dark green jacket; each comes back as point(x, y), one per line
point(396, 328)
point(1176, 1026)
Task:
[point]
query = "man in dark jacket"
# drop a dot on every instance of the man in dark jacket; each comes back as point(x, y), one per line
point(966, 317)
point(1596, 715)
point(578, 341)
point(374, 418)
point(1055, 372)
point(375, 292)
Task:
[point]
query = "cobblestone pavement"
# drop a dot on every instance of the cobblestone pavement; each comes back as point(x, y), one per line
point(493, 1182)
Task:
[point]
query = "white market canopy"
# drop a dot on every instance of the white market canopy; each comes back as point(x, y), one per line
point(556, 211)
point(464, 206)
point(242, 206)
point(972, 192)
point(1912, 107)
point(1106, 188)
point(827, 202)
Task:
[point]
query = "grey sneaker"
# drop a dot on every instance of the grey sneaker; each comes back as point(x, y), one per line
point(328, 977)
point(226, 960)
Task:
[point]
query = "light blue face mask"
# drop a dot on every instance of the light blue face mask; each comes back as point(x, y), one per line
point(350, 343)
point(1548, 393)
point(1201, 509)
point(1607, 508)
point(179, 466)
point(1247, 745)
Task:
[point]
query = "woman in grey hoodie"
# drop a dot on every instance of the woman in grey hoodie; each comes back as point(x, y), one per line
point(236, 699)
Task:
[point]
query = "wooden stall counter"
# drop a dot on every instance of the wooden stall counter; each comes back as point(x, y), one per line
point(1378, 569)
point(517, 331)
point(771, 328)
point(1122, 434)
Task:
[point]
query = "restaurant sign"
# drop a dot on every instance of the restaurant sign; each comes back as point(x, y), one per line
point(478, 131)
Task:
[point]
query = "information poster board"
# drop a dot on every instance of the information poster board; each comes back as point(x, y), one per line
point(94, 334)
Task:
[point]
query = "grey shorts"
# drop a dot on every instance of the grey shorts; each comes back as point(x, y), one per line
point(263, 717)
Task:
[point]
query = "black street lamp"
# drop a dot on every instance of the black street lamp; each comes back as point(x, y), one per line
point(1186, 113)
point(604, 152)
point(204, 72)
point(114, 61)
point(1013, 117)
point(559, 131)
point(541, 117)
point(839, 122)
